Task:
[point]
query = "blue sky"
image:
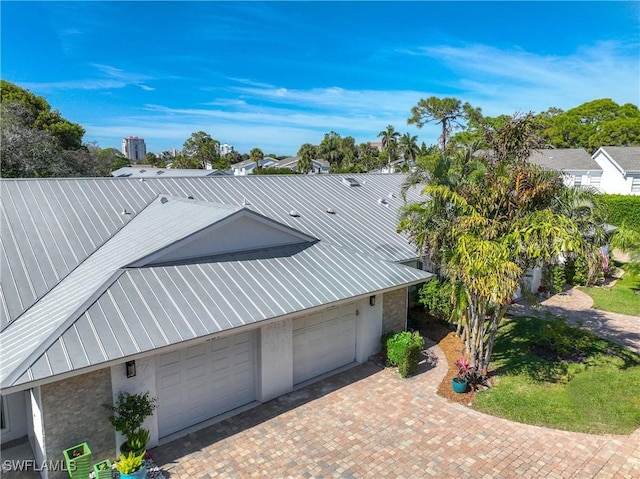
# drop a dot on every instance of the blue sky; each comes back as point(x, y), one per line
point(278, 74)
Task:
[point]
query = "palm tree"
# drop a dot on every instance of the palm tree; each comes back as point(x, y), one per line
point(330, 149)
point(485, 231)
point(256, 155)
point(306, 154)
point(389, 141)
point(409, 147)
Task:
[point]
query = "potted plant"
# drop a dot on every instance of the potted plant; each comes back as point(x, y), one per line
point(132, 466)
point(102, 470)
point(78, 461)
point(460, 382)
point(129, 413)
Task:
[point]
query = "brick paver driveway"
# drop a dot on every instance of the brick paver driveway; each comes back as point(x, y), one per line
point(368, 422)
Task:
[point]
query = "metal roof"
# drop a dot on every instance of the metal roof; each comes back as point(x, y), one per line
point(149, 172)
point(628, 157)
point(571, 159)
point(171, 304)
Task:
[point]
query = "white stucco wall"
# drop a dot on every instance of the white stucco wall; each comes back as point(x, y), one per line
point(368, 328)
point(36, 425)
point(612, 182)
point(276, 360)
point(144, 381)
point(15, 410)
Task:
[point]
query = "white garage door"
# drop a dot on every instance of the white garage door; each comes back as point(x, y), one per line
point(197, 383)
point(323, 342)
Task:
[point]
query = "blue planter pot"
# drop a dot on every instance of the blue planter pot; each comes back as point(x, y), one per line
point(459, 386)
point(139, 474)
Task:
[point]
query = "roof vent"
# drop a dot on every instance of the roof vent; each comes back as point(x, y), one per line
point(392, 195)
point(141, 179)
point(125, 212)
point(382, 201)
point(159, 172)
point(189, 197)
point(245, 202)
point(331, 211)
point(350, 182)
point(294, 213)
point(143, 171)
point(163, 200)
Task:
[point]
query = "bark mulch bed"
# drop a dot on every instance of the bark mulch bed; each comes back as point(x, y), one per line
point(451, 346)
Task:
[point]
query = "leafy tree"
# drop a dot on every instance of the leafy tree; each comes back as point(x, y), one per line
point(389, 138)
point(446, 112)
point(487, 229)
point(36, 113)
point(369, 157)
point(233, 157)
point(273, 171)
point(306, 155)
point(256, 155)
point(203, 149)
point(151, 159)
point(329, 149)
point(184, 162)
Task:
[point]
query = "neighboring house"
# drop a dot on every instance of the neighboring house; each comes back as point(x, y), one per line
point(318, 166)
point(620, 169)
point(246, 167)
point(578, 168)
point(225, 292)
point(149, 172)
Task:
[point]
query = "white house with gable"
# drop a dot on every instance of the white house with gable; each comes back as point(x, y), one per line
point(620, 169)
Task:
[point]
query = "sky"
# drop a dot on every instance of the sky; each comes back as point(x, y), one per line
point(275, 75)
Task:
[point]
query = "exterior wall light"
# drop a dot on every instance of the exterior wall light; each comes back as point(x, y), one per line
point(372, 300)
point(131, 369)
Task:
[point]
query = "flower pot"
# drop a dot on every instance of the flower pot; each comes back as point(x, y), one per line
point(103, 473)
point(139, 474)
point(78, 461)
point(458, 385)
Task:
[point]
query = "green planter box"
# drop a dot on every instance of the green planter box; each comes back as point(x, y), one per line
point(78, 461)
point(103, 470)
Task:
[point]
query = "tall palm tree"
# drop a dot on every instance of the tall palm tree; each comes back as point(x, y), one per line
point(256, 155)
point(389, 141)
point(409, 147)
point(306, 154)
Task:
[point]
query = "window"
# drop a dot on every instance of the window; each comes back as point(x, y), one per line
point(635, 184)
point(577, 180)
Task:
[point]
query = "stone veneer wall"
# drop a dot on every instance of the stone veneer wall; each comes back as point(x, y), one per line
point(394, 311)
point(73, 414)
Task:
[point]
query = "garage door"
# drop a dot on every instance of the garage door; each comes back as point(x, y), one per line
point(323, 342)
point(198, 383)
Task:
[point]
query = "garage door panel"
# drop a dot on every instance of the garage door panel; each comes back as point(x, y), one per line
point(200, 382)
point(323, 342)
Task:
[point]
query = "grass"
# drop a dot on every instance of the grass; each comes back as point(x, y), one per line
point(574, 380)
point(621, 298)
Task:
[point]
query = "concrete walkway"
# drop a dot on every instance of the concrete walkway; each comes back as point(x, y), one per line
point(369, 423)
point(576, 307)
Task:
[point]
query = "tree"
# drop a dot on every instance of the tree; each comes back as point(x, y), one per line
point(446, 112)
point(184, 162)
point(203, 149)
point(37, 114)
point(306, 155)
point(409, 147)
point(487, 229)
point(389, 138)
point(151, 159)
point(256, 155)
point(233, 157)
point(329, 149)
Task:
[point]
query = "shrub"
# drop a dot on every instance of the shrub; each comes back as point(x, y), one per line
point(623, 209)
point(404, 350)
point(558, 278)
point(435, 296)
point(130, 412)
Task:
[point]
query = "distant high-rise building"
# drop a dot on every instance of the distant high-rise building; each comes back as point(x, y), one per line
point(134, 148)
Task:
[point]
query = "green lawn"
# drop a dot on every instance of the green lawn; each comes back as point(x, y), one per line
point(595, 391)
point(621, 298)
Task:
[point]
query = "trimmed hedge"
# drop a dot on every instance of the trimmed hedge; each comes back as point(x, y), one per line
point(623, 208)
point(403, 350)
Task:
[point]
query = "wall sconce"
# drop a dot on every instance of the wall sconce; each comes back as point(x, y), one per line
point(372, 300)
point(131, 369)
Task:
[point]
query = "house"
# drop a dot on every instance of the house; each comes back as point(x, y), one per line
point(246, 167)
point(317, 166)
point(150, 172)
point(221, 293)
point(578, 168)
point(620, 169)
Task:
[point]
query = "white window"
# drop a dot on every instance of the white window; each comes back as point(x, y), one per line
point(577, 180)
point(635, 184)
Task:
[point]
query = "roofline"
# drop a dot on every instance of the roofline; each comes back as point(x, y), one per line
point(201, 339)
point(615, 164)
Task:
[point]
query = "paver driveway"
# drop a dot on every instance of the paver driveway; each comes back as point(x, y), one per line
point(369, 423)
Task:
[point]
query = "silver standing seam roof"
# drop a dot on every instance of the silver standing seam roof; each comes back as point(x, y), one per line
point(67, 243)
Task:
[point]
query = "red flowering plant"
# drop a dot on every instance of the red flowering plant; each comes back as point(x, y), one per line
point(465, 373)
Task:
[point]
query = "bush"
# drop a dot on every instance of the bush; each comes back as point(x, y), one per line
point(404, 350)
point(558, 278)
point(623, 209)
point(435, 296)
